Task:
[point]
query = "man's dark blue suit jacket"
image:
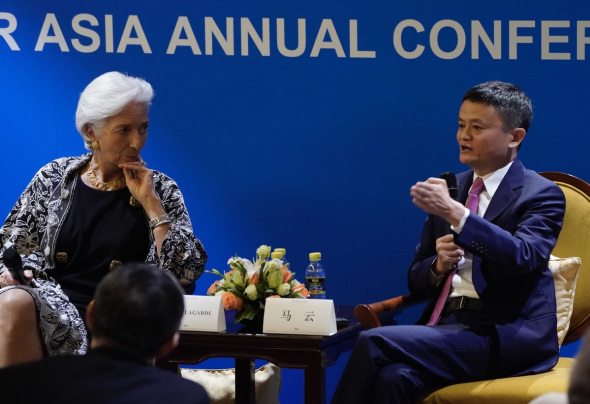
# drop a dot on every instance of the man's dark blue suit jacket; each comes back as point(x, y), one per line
point(511, 245)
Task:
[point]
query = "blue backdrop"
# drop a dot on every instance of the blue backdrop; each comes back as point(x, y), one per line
point(297, 124)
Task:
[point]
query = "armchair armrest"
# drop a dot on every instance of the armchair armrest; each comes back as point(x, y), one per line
point(368, 314)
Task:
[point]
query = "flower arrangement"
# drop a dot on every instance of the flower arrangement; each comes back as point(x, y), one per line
point(248, 284)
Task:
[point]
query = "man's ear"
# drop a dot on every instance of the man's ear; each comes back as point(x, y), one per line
point(168, 346)
point(90, 316)
point(518, 135)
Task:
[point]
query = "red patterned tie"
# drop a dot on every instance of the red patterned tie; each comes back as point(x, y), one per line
point(472, 204)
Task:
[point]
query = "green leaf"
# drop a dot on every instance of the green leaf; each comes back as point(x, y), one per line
point(237, 278)
point(247, 313)
point(237, 292)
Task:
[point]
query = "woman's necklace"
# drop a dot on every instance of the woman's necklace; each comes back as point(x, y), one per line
point(104, 186)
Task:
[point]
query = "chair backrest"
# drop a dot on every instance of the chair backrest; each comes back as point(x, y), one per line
point(574, 241)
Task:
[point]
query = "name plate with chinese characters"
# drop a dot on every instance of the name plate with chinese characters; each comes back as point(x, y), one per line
point(203, 313)
point(299, 316)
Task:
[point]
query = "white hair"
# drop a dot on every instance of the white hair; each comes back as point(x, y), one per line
point(106, 96)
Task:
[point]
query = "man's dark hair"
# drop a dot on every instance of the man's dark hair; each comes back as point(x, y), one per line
point(513, 105)
point(138, 306)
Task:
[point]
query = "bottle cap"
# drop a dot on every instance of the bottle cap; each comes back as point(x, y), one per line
point(315, 256)
point(284, 251)
point(276, 254)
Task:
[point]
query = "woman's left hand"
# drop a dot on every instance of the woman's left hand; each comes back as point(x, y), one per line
point(6, 278)
point(140, 182)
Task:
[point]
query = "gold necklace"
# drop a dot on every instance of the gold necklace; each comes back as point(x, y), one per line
point(104, 186)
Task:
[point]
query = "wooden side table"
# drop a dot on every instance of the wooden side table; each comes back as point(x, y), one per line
point(308, 352)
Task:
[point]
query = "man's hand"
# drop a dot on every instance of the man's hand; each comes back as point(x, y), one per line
point(448, 252)
point(433, 197)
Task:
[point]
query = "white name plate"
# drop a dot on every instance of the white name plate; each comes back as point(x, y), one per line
point(203, 313)
point(299, 316)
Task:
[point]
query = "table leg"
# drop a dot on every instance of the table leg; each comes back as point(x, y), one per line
point(245, 388)
point(315, 385)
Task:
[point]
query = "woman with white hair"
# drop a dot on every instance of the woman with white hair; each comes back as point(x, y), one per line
point(82, 216)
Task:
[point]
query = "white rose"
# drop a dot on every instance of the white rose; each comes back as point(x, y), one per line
point(263, 251)
point(272, 265)
point(251, 292)
point(284, 289)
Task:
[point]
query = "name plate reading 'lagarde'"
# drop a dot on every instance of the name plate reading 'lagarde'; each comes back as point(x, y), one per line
point(202, 313)
point(299, 316)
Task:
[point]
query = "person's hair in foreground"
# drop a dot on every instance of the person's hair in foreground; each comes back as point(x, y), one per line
point(139, 307)
point(579, 389)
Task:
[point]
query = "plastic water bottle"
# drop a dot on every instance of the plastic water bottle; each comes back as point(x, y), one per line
point(315, 277)
point(283, 259)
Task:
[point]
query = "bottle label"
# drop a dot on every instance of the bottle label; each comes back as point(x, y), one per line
point(316, 285)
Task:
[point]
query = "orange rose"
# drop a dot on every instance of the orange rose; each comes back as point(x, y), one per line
point(231, 301)
point(274, 297)
point(287, 275)
point(301, 289)
point(254, 279)
point(212, 288)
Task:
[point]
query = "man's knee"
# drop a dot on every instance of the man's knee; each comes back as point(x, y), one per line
point(384, 338)
point(367, 339)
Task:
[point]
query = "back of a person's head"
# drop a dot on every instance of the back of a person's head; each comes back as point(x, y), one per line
point(579, 389)
point(138, 306)
point(513, 105)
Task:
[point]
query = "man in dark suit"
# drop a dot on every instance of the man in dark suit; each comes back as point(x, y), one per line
point(134, 318)
point(493, 247)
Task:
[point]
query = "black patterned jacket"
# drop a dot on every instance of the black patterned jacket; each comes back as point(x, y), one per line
point(34, 223)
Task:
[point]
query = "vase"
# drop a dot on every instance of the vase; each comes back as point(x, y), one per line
point(253, 326)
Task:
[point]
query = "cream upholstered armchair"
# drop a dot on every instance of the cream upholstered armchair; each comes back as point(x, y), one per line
point(573, 308)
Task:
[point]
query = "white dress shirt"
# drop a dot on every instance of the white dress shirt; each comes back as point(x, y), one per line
point(462, 281)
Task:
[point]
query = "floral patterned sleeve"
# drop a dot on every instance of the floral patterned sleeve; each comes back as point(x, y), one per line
point(27, 220)
point(181, 253)
point(26, 228)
